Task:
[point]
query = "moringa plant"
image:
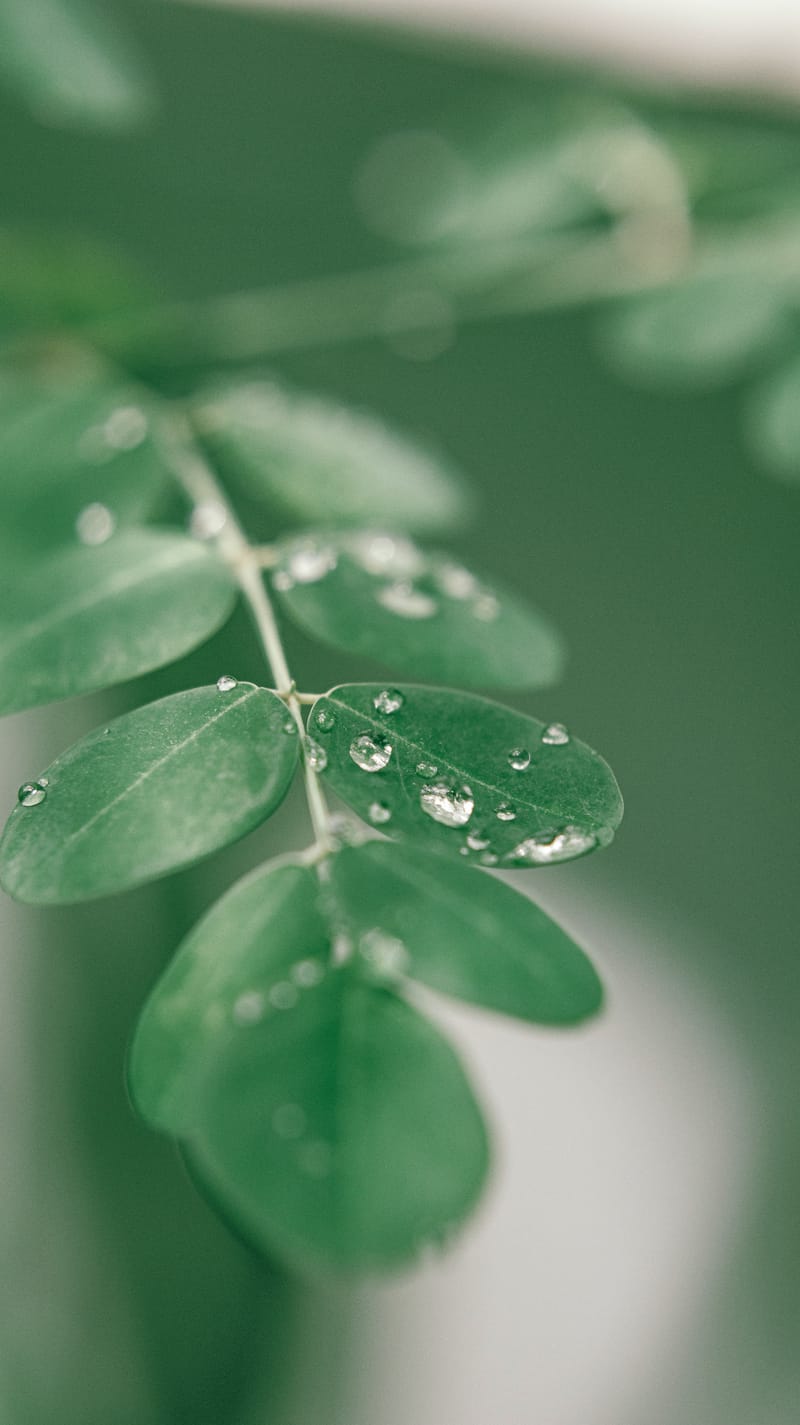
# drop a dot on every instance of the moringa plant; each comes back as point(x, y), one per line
point(288, 1047)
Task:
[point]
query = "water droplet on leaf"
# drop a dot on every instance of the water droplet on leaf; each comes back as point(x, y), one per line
point(316, 756)
point(249, 1007)
point(455, 581)
point(226, 683)
point(369, 753)
point(388, 701)
point(505, 812)
point(477, 840)
point(307, 973)
point(555, 735)
point(451, 806)
point(207, 520)
point(283, 995)
point(95, 524)
point(486, 608)
point(379, 813)
point(309, 562)
point(324, 720)
point(408, 602)
point(519, 758)
point(551, 846)
point(388, 554)
point(385, 953)
point(426, 770)
point(31, 794)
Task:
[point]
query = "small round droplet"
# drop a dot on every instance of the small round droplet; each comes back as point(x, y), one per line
point(551, 846)
point(95, 524)
point(477, 840)
point(426, 770)
point(44, 781)
point(388, 701)
point(489, 858)
point(283, 995)
point(249, 1007)
point(379, 813)
point(408, 602)
point(455, 581)
point(31, 794)
point(289, 1120)
point(505, 812)
point(208, 519)
point(324, 720)
point(385, 953)
point(316, 1159)
point(125, 428)
point(388, 554)
point(371, 754)
point(519, 758)
point(282, 581)
point(309, 562)
point(486, 608)
point(308, 973)
point(555, 735)
point(226, 683)
point(450, 806)
point(289, 726)
point(315, 755)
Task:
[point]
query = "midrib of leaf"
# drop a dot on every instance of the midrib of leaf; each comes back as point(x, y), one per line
point(118, 583)
point(144, 776)
point(467, 777)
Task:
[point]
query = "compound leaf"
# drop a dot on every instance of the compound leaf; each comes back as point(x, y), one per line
point(708, 329)
point(72, 65)
point(155, 790)
point(324, 463)
point(268, 930)
point(468, 776)
point(90, 616)
point(463, 933)
point(342, 1131)
point(381, 596)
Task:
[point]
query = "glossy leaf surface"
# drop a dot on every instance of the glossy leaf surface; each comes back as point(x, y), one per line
point(91, 616)
point(74, 435)
point(438, 768)
point(461, 932)
point(708, 330)
point(268, 930)
point(71, 64)
point(157, 789)
point(343, 1130)
point(327, 464)
point(381, 596)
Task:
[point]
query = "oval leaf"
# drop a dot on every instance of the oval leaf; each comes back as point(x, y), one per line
point(75, 436)
point(91, 616)
point(463, 933)
point(773, 424)
point(72, 64)
point(342, 1131)
point(157, 789)
point(709, 330)
point(325, 463)
point(268, 930)
point(441, 766)
point(381, 596)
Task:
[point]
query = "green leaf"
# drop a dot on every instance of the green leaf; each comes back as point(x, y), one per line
point(268, 929)
point(324, 463)
point(92, 616)
point(75, 435)
point(72, 65)
point(708, 329)
point(772, 424)
point(436, 765)
point(461, 932)
point(155, 790)
point(380, 596)
point(343, 1132)
point(51, 279)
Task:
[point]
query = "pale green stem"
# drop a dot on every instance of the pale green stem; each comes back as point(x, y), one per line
point(204, 491)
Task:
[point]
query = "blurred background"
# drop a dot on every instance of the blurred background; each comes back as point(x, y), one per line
point(584, 289)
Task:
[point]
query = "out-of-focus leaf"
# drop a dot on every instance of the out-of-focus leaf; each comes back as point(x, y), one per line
point(94, 615)
point(462, 932)
point(72, 65)
point(773, 424)
point(325, 463)
point(380, 596)
point(156, 789)
point(701, 331)
point(467, 776)
point(52, 281)
point(74, 435)
point(268, 930)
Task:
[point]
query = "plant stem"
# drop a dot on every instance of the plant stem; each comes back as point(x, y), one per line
point(200, 484)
